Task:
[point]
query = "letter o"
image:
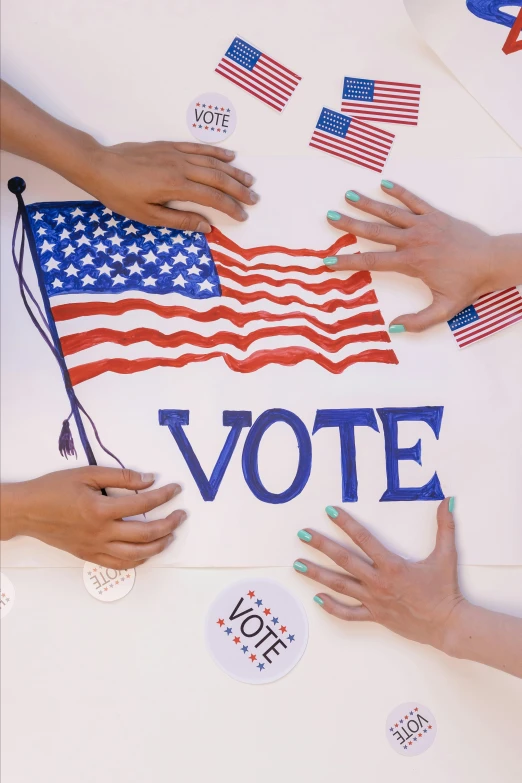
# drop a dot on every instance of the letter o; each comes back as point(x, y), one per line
point(416, 725)
point(112, 573)
point(247, 620)
point(251, 453)
point(211, 120)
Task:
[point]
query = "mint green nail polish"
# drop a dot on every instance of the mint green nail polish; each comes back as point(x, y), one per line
point(387, 184)
point(300, 567)
point(451, 505)
point(396, 328)
point(331, 215)
point(351, 196)
point(304, 535)
point(318, 600)
point(330, 261)
point(332, 512)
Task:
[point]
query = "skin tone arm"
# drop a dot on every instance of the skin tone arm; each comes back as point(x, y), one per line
point(133, 179)
point(420, 601)
point(457, 261)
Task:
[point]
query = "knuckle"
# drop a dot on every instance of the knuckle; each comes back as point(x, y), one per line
point(374, 230)
point(146, 534)
point(126, 475)
point(338, 584)
point(184, 222)
point(390, 212)
point(219, 177)
point(345, 561)
point(211, 162)
point(362, 537)
point(370, 261)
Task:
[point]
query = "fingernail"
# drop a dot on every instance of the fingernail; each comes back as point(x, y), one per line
point(396, 328)
point(352, 196)
point(254, 197)
point(331, 215)
point(330, 261)
point(387, 184)
point(243, 215)
point(182, 516)
point(304, 535)
point(300, 567)
point(318, 600)
point(177, 489)
point(230, 153)
point(332, 512)
point(249, 179)
point(451, 505)
point(147, 477)
point(171, 538)
point(203, 227)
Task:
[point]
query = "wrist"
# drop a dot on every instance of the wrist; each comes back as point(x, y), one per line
point(77, 159)
point(12, 515)
point(454, 630)
point(505, 261)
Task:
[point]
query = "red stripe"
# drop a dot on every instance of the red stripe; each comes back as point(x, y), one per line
point(216, 237)
point(377, 113)
point(324, 287)
point(398, 84)
point(478, 326)
point(397, 87)
point(272, 89)
point(377, 132)
point(281, 85)
point(314, 271)
point(325, 307)
point(287, 357)
point(345, 156)
point(384, 102)
point(282, 67)
point(497, 328)
point(493, 295)
point(497, 301)
point(359, 140)
point(73, 343)
point(357, 147)
point(275, 101)
point(247, 89)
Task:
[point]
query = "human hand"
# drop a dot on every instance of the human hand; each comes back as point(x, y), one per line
point(136, 180)
point(415, 600)
point(456, 260)
point(67, 510)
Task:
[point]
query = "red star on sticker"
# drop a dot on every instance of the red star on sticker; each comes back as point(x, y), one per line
point(283, 629)
point(209, 106)
point(266, 611)
point(193, 124)
point(206, 127)
point(220, 623)
point(429, 727)
point(198, 104)
point(236, 639)
point(219, 130)
point(106, 589)
point(416, 709)
point(117, 583)
point(410, 743)
point(405, 717)
point(251, 594)
point(419, 735)
point(396, 725)
point(94, 569)
point(253, 657)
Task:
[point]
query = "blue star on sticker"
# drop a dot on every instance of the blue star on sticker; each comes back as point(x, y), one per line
point(228, 631)
point(259, 603)
point(411, 713)
point(204, 105)
point(425, 731)
point(260, 666)
point(275, 620)
point(415, 739)
point(291, 637)
point(401, 721)
point(244, 649)
point(212, 129)
point(391, 728)
point(199, 126)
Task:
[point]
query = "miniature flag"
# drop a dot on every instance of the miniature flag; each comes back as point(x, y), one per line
point(379, 101)
point(258, 74)
point(352, 140)
point(489, 314)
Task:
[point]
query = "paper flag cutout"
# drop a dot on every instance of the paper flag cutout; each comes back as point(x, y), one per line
point(107, 584)
point(489, 314)
point(351, 139)
point(7, 595)
point(411, 729)
point(256, 631)
point(376, 101)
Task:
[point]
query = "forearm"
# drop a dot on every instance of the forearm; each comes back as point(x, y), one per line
point(487, 637)
point(507, 260)
point(11, 496)
point(30, 132)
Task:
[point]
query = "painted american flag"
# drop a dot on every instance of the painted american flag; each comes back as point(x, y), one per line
point(351, 139)
point(258, 74)
point(377, 101)
point(126, 297)
point(489, 314)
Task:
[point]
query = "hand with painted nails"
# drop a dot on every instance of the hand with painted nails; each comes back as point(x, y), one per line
point(133, 179)
point(420, 601)
point(456, 260)
point(67, 510)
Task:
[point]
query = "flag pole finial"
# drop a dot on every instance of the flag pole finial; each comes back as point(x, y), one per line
point(16, 185)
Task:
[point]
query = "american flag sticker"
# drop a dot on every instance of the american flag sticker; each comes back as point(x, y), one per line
point(377, 101)
point(351, 139)
point(257, 73)
point(126, 297)
point(489, 314)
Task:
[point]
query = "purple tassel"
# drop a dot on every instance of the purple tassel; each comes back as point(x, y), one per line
point(66, 442)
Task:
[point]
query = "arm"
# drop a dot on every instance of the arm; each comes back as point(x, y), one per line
point(420, 601)
point(67, 510)
point(133, 179)
point(457, 261)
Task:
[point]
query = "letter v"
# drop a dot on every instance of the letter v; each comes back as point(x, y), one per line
point(175, 420)
point(234, 616)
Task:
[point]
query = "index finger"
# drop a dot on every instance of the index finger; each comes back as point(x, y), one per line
point(139, 504)
point(359, 534)
point(409, 199)
point(192, 148)
point(138, 532)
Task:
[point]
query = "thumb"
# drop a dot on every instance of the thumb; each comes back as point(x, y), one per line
point(102, 478)
point(437, 312)
point(445, 541)
point(175, 218)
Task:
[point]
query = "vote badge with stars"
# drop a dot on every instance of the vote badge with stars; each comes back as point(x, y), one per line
point(411, 729)
point(7, 595)
point(107, 584)
point(211, 117)
point(256, 631)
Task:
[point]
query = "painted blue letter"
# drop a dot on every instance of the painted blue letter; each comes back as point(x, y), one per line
point(251, 453)
point(346, 419)
point(176, 420)
point(390, 417)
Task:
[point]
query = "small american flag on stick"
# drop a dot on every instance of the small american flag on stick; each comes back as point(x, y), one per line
point(353, 140)
point(379, 101)
point(489, 314)
point(258, 74)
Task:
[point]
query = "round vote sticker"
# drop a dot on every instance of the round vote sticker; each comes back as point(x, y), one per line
point(211, 117)
point(107, 584)
point(256, 631)
point(7, 595)
point(411, 729)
